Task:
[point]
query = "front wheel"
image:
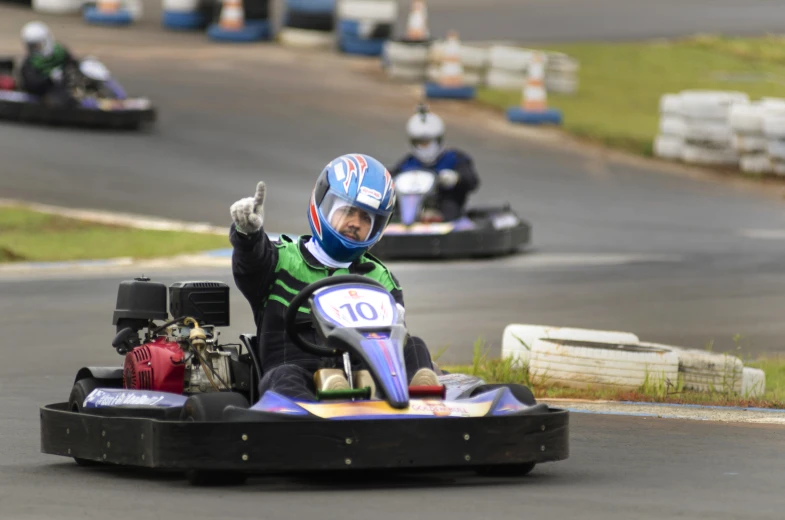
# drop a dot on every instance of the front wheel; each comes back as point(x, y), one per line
point(79, 393)
point(207, 408)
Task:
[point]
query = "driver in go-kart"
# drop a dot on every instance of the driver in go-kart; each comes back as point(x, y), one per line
point(350, 207)
point(457, 176)
point(43, 69)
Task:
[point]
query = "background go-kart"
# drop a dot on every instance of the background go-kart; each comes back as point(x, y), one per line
point(618, 245)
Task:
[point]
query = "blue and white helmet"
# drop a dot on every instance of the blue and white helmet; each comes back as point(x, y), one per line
point(351, 180)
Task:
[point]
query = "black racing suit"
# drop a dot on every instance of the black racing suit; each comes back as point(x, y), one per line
point(450, 201)
point(36, 76)
point(270, 274)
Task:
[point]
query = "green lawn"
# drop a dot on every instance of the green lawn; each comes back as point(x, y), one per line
point(31, 236)
point(620, 84)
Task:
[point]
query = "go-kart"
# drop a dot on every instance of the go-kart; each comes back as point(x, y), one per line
point(183, 401)
point(100, 101)
point(418, 232)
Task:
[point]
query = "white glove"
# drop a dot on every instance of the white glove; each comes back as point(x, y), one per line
point(401, 313)
point(448, 178)
point(248, 213)
point(56, 75)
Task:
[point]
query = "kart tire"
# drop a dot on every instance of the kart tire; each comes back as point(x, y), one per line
point(508, 470)
point(520, 392)
point(364, 30)
point(210, 406)
point(509, 59)
point(309, 21)
point(358, 46)
point(206, 408)
point(79, 393)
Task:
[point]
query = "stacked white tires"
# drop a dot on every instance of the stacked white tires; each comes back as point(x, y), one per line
point(308, 24)
point(406, 61)
point(474, 59)
point(508, 68)
point(364, 25)
point(695, 127)
point(583, 358)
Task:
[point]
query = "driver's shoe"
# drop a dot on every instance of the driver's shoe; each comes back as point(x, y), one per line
point(330, 379)
point(425, 377)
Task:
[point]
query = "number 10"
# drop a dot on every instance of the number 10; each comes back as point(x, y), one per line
point(358, 309)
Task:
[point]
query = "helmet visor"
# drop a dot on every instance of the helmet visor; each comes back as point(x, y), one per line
point(352, 222)
point(422, 142)
point(36, 47)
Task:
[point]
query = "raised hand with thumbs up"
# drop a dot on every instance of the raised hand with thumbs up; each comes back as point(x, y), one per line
point(248, 213)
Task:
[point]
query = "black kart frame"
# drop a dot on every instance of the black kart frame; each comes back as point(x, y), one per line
point(275, 447)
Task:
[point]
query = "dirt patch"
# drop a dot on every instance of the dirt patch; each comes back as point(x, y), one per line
point(8, 255)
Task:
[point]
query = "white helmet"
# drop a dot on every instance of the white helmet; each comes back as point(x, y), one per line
point(38, 38)
point(426, 132)
point(425, 125)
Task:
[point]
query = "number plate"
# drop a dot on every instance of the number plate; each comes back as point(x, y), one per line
point(356, 306)
point(505, 221)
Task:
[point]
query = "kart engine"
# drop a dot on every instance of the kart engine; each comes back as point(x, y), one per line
point(179, 356)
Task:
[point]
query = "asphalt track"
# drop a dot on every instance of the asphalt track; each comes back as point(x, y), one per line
point(616, 246)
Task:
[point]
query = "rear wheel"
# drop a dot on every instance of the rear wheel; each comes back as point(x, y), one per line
point(210, 407)
point(79, 393)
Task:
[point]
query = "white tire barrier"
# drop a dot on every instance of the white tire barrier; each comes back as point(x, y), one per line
point(722, 129)
point(586, 364)
point(406, 61)
point(57, 6)
point(474, 60)
point(580, 358)
point(508, 66)
point(704, 371)
point(304, 38)
point(758, 163)
point(697, 123)
point(669, 147)
point(365, 25)
point(753, 382)
point(518, 338)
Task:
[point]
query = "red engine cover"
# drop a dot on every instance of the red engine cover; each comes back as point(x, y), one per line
point(7, 82)
point(155, 366)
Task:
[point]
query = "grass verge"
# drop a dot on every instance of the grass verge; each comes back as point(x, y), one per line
point(31, 236)
point(496, 370)
point(620, 84)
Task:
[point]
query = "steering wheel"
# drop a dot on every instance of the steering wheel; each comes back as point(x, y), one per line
point(295, 330)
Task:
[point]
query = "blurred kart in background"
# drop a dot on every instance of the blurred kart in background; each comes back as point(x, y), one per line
point(418, 231)
point(101, 100)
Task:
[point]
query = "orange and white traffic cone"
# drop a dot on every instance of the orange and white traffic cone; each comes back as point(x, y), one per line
point(535, 97)
point(232, 15)
point(450, 83)
point(108, 12)
point(233, 27)
point(451, 69)
point(417, 23)
point(534, 100)
point(108, 6)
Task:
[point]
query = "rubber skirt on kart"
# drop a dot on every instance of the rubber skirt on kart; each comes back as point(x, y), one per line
point(81, 117)
point(475, 243)
point(244, 444)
